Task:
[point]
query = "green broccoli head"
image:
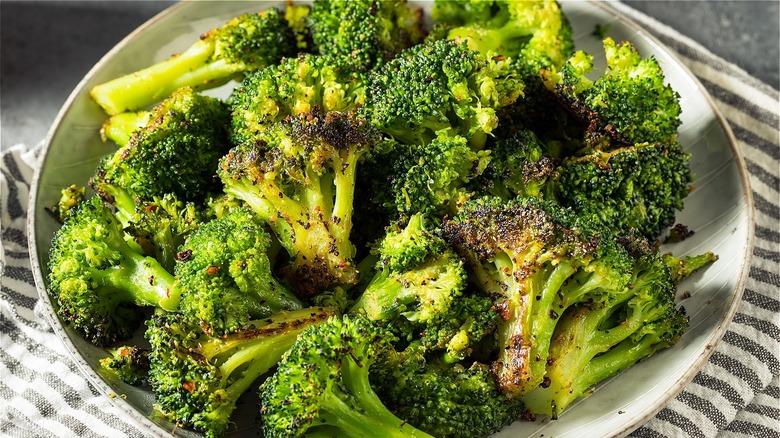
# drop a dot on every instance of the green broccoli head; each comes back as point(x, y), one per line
point(246, 43)
point(97, 281)
point(197, 379)
point(161, 225)
point(630, 103)
point(70, 198)
point(406, 246)
point(630, 189)
point(520, 165)
point(439, 86)
point(322, 385)
point(187, 124)
point(429, 178)
point(419, 290)
point(300, 178)
point(535, 259)
point(296, 86)
point(364, 34)
point(459, 400)
point(536, 33)
point(128, 363)
point(225, 277)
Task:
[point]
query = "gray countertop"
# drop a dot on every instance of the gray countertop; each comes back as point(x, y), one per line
point(48, 46)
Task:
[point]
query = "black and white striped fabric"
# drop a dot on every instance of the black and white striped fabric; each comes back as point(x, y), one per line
point(737, 393)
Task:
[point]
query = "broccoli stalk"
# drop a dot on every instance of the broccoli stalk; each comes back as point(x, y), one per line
point(300, 179)
point(322, 385)
point(248, 42)
point(197, 379)
point(536, 260)
point(119, 128)
point(98, 281)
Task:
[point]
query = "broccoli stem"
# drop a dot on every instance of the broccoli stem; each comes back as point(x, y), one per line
point(246, 191)
point(149, 85)
point(121, 199)
point(379, 298)
point(493, 41)
point(344, 181)
point(119, 128)
point(142, 278)
point(373, 418)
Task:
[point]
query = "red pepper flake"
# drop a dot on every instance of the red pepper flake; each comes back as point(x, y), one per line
point(212, 270)
point(189, 386)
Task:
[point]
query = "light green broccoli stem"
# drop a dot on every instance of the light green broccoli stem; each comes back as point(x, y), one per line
point(194, 68)
point(344, 181)
point(380, 296)
point(265, 209)
point(143, 278)
point(119, 128)
point(682, 268)
point(491, 42)
point(121, 199)
point(371, 418)
point(544, 314)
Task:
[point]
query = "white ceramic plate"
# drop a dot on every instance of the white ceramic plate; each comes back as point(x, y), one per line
point(719, 210)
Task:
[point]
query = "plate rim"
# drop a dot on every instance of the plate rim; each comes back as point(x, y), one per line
point(146, 422)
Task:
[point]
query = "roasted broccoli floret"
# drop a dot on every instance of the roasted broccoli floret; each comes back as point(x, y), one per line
point(535, 259)
point(129, 364)
point(300, 179)
point(630, 103)
point(682, 268)
point(246, 43)
point(440, 86)
point(70, 198)
point(429, 178)
point(535, 32)
point(322, 385)
point(197, 379)
point(364, 34)
point(520, 165)
point(459, 400)
point(629, 189)
point(161, 225)
point(296, 86)
point(225, 277)
point(153, 164)
point(594, 341)
point(419, 293)
point(97, 281)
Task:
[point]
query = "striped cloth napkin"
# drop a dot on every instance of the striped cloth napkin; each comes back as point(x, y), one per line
point(737, 392)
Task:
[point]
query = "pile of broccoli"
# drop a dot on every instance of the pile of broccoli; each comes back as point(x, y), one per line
point(384, 229)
